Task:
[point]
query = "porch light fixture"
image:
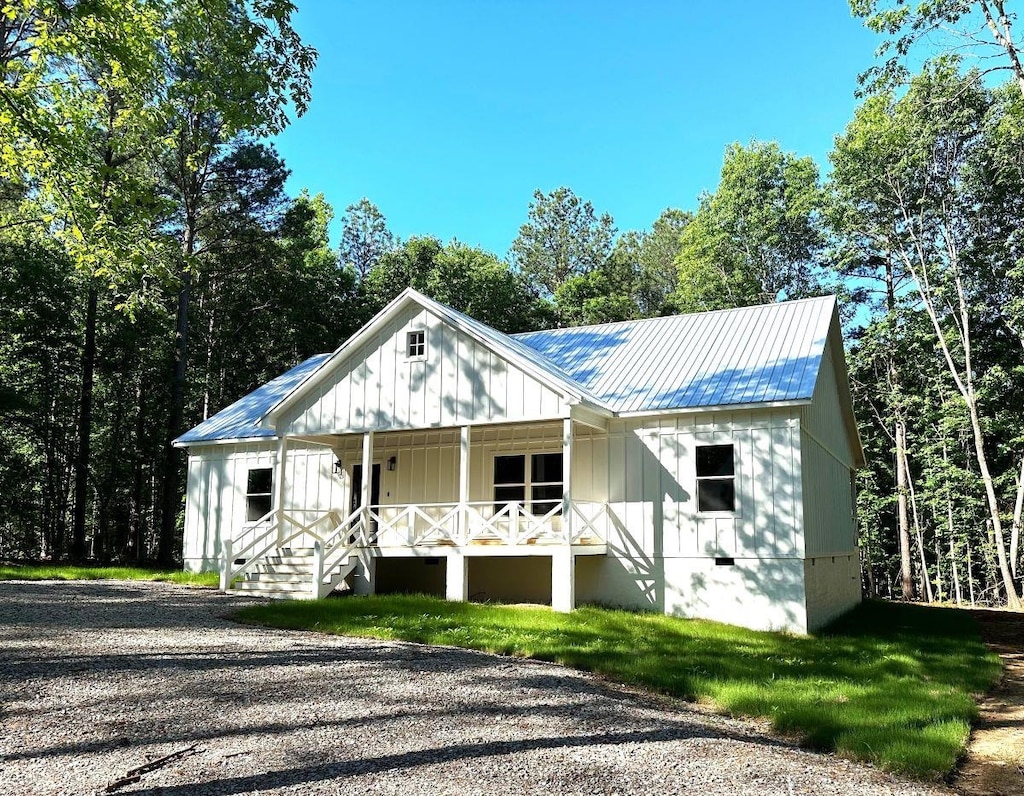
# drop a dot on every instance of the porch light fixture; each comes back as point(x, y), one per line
point(392, 463)
point(338, 467)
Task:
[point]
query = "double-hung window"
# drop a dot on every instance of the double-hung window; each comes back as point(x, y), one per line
point(716, 478)
point(259, 493)
point(537, 488)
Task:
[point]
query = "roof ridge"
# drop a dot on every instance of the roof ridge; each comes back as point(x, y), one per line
point(635, 321)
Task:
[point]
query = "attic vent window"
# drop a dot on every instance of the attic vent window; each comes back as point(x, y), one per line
point(716, 478)
point(416, 344)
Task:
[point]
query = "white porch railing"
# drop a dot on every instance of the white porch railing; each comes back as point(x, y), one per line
point(335, 537)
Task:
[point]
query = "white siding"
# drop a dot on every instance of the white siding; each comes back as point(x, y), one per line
point(829, 521)
point(662, 554)
point(460, 381)
point(216, 487)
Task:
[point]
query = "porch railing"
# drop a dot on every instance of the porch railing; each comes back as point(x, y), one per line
point(335, 537)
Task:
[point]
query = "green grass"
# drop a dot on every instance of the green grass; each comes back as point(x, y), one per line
point(68, 572)
point(891, 684)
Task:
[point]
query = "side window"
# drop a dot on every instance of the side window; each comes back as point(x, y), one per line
point(416, 344)
point(716, 478)
point(259, 493)
point(509, 480)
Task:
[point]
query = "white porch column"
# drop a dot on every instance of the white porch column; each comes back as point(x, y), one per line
point(563, 579)
point(367, 483)
point(279, 470)
point(456, 584)
point(567, 478)
point(463, 488)
point(364, 579)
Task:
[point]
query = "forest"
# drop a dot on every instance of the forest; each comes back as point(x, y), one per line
point(153, 269)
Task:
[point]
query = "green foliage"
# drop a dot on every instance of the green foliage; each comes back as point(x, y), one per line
point(563, 237)
point(208, 580)
point(758, 237)
point(983, 30)
point(891, 684)
point(365, 237)
point(465, 278)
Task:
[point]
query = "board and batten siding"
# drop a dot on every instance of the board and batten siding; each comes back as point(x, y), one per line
point(459, 381)
point(832, 566)
point(667, 556)
point(829, 511)
point(216, 490)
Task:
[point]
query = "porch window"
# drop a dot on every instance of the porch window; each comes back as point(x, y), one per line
point(259, 493)
point(716, 478)
point(509, 480)
point(542, 481)
point(416, 344)
point(545, 482)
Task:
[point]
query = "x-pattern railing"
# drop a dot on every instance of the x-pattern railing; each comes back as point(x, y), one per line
point(336, 537)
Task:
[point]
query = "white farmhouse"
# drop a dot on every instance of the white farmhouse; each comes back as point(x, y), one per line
point(699, 465)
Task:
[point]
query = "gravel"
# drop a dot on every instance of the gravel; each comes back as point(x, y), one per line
point(99, 678)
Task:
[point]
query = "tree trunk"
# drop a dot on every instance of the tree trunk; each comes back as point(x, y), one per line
point(949, 521)
point(172, 457)
point(84, 427)
point(1018, 510)
point(926, 584)
point(902, 515)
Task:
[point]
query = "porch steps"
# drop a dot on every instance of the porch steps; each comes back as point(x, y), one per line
point(288, 573)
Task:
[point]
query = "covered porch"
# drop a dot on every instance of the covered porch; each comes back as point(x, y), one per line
point(446, 497)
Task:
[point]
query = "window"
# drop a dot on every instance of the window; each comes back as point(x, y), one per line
point(416, 344)
point(716, 478)
point(545, 482)
point(259, 493)
point(509, 480)
point(544, 485)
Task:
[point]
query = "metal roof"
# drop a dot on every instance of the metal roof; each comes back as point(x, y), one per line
point(239, 420)
point(760, 354)
point(763, 354)
point(499, 340)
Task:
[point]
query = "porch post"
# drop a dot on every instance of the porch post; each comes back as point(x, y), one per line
point(279, 470)
point(456, 584)
point(563, 579)
point(463, 488)
point(367, 483)
point(567, 479)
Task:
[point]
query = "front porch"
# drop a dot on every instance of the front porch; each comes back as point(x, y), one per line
point(311, 558)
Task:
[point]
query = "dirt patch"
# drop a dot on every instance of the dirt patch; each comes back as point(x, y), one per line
point(995, 757)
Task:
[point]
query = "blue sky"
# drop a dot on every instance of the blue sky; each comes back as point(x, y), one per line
point(448, 114)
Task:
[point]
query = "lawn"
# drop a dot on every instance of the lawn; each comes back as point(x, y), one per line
point(67, 572)
point(891, 684)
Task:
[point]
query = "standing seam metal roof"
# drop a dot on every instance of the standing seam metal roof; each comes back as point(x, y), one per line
point(761, 354)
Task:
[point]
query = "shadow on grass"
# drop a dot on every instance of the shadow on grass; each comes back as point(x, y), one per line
point(892, 684)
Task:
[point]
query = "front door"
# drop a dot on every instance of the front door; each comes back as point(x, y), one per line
point(357, 487)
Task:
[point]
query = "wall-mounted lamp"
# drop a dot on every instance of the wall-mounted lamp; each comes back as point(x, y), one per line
point(338, 467)
point(392, 463)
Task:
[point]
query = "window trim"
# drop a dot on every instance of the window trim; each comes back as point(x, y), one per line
point(528, 483)
point(416, 345)
point(250, 495)
point(734, 478)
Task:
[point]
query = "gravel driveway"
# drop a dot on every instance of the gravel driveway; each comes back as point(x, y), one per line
point(99, 678)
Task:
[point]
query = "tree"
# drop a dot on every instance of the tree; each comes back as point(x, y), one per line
point(758, 237)
point(365, 237)
point(231, 69)
point(466, 278)
point(973, 24)
point(905, 170)
point(563, 237)
point(659, 276)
